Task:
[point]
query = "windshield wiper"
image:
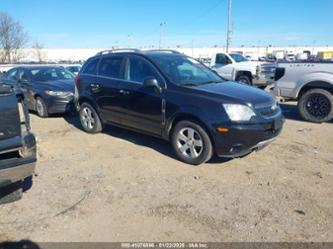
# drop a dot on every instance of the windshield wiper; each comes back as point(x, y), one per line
point(189, 84)
point(210, 82)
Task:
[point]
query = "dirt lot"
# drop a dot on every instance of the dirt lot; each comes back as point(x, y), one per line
point(123, 186)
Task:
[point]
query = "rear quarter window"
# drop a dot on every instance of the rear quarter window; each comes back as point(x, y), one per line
point(91, 67)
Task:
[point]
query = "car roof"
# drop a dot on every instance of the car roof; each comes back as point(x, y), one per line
point(161, 52)
point(38, 67)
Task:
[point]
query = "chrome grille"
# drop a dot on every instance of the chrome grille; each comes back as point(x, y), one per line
point(267, 109)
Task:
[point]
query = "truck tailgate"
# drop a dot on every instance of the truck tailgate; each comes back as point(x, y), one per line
point(10, 123)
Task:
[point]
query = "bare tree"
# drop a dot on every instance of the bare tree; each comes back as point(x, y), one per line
point(12, 38)
point(38, 51)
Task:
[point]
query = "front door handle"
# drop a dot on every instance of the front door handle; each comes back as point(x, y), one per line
point(124, 92)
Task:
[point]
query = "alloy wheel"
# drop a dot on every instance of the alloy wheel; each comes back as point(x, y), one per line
point(189, 142)
point(318, 105)
point(88, 118)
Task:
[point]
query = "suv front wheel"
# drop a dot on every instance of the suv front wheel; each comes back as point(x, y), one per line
point(89, 119)
point(191, 143)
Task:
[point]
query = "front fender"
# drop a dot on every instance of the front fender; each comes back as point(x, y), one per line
point(185, 112)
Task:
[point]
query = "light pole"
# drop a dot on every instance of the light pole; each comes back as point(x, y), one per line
point(229, 29)
point(161, 34)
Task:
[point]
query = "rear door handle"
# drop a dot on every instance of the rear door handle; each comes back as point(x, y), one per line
point(124, 92)
point(95, 87)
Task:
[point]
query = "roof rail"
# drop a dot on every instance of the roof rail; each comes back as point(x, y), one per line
point(164, 50)
point(111, 51)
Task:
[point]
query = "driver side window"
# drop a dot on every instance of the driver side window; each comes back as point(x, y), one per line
point(138, 69)
point(222, 59)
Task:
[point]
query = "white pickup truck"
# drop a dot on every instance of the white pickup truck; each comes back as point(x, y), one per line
point(309, 83)
point(236, 67)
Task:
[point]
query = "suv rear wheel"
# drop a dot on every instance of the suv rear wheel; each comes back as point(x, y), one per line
point(191, 143)
point(89, 119)
point(316, 105)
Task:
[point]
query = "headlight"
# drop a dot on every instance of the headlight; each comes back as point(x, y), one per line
point(258, 70)
point(239, 112)
point(59, 93)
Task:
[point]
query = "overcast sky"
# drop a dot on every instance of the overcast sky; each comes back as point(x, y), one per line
point(136, 23)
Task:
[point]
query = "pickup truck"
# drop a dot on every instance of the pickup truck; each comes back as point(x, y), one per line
point(236, 67)
point(17, 145)
point(308, 83)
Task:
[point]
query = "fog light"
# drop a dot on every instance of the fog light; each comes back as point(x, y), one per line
point(236, 149)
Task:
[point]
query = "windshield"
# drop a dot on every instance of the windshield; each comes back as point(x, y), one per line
point(50, 74)
point(184, 70)
point(239, 57)
point(73, 69)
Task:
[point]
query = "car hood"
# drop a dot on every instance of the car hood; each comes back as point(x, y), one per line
point(59, 85)
point(235, 92)
point(249, 63)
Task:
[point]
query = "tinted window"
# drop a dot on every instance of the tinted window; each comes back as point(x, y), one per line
point(50, 74)
point(91, 67)
point(111, 67)
point(222, 59)
point(12, 74)
point(138, 69)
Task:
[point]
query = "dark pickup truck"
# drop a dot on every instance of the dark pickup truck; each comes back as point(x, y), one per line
point(17, 145)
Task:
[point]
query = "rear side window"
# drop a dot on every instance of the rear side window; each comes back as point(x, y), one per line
point(111, 67)
point(91, 67)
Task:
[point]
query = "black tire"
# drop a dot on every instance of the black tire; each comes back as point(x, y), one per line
point(11, 193)
point(41, 108)
point(244, 79)
point(203, 153)
point(91, 124)
point(316, 105)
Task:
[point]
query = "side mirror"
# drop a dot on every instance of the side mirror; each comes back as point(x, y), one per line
point(153, 83)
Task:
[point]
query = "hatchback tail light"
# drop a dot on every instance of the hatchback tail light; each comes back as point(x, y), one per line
point(77, 79)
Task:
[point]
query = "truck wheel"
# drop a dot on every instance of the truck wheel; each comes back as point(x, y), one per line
point(316, 105)
point(11, 193)
point(244, 79)
point(191, 143)
point(89, 119)
point(41, 108)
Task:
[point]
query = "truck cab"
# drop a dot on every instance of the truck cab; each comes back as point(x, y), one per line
point(236, 67)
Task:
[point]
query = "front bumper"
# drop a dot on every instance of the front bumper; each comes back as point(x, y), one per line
point(60, 105)
point(263, 80)
point(242, 139)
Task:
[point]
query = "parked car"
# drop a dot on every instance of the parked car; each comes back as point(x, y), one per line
point(74, 69)
point(17, 145)
point(47, 90)
point(171, 96)
point(310, 84)
point(236, 67)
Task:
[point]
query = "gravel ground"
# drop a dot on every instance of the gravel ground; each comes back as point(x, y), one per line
point(124, 186)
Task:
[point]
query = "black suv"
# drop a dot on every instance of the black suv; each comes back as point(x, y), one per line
point(174, 97)
point(17, 145)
